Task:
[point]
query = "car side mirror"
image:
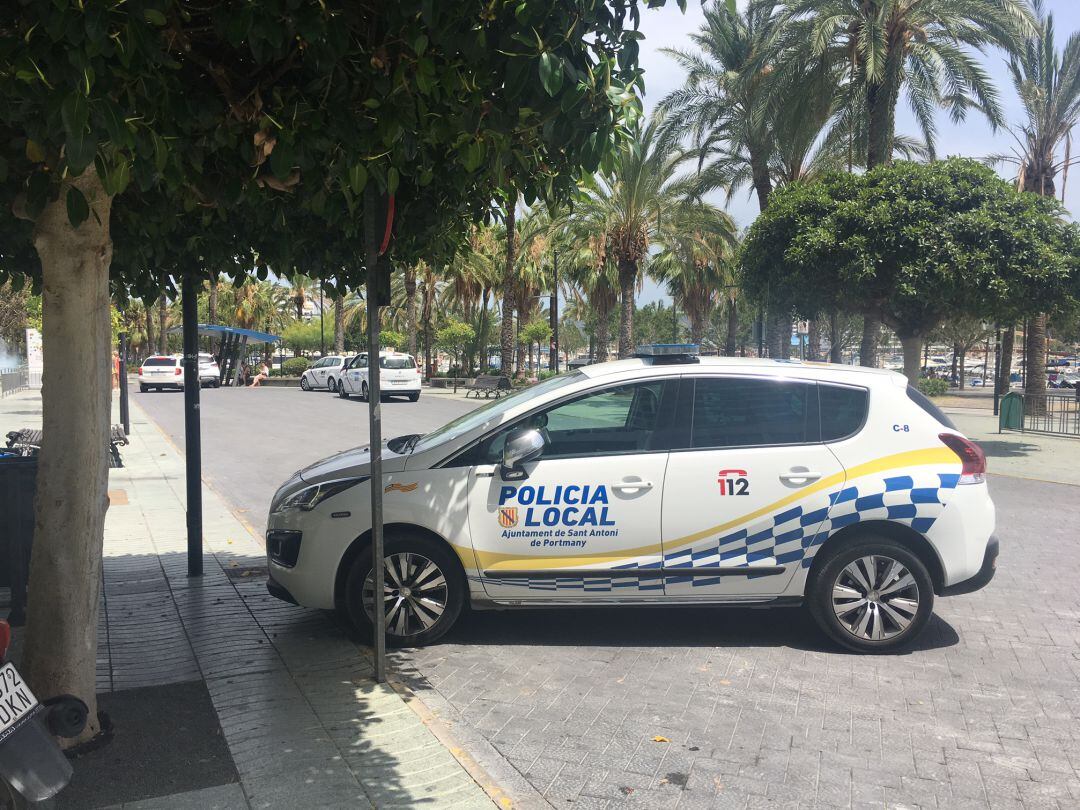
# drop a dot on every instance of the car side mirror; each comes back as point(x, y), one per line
point(522, 446)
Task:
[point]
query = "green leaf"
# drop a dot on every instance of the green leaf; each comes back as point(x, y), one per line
point(79, 149)
point(3, 169)
point(154, 16)
point(77, 207)
point(392, 180)
point(75, 113)
point(420, 44)
point(551, 73)
point(281, 160)
point(357, 178)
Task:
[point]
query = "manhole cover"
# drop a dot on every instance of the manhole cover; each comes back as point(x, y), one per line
point(242, 572)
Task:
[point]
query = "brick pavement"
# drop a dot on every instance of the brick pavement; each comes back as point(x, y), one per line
point(758, 711)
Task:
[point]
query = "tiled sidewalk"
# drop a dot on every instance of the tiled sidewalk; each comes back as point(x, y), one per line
point(304, 722)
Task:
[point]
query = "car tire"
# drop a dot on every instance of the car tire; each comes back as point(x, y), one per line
point(341, 391)
point(414, 397)
point(304, 384)
point(331, 385)
point(143, 388)
point(412, 557)
point(872, 566)
point(364, 392)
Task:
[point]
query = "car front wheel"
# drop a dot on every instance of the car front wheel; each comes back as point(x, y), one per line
point(414, 397)
point(304, 384)
point(341, 391)
point(364, 392)
point(423, 591)
point(872, 596)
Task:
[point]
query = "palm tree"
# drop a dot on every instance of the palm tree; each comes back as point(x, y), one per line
point(696, 262)
point(593, 283)
point(301, 289)
point(886, 46)
point(506, 339)
point(629, 204)
point(1048, 84)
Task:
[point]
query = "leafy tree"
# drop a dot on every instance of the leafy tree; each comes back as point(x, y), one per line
point(962, 334)
point(538, 332)
point(454, 337)
point(394, 340)
point(1048, 84)
point(226, 129)
point(913, 245)
point(301, 337)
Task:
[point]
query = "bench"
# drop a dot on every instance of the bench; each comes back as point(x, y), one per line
point(27, 442)
point(488, 384)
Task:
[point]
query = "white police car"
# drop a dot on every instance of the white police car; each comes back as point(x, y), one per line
point(664, 479)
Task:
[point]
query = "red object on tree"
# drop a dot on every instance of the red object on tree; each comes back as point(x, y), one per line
point(389, 226)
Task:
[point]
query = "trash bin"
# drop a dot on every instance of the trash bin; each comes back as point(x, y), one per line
point(1011, 412)
point(18, 481)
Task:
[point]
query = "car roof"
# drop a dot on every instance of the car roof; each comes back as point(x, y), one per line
point(859, 375)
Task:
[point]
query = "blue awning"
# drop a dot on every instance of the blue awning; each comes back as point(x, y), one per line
point(216, 329)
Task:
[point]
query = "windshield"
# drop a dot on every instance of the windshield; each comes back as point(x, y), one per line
point(493, 410)
point(159, 361)
point(398, 361)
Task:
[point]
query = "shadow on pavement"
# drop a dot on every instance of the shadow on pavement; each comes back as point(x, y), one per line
point(666, 627)
point(1008, 449)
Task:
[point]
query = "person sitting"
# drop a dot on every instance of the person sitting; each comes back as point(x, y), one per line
point(262, 374)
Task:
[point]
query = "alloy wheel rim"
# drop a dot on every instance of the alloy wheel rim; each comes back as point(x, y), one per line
point(415, 594)
point(875, 598)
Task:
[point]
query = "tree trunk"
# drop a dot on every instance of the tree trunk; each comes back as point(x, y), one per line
point(519, 358)
point(955, 360)
point(151, 337)
point(628, 272)
point(963, 362)
point(836, 350)
point(868, 346)
point(506, 341)
point(211, 301)
point(759, 170)
point(410, 306)
point(163, 313)
point(697, 329)
point(1035, 371)
point(482, 342)
point(1005, 371)
point(602, 338)
point(73, 474)
point(881, 105)
point(778, 342)
point(813, 341)
point(732, 328)
point(339, 325)
point(912, 345)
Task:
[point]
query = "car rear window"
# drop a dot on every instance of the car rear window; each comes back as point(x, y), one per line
point(159, 361)
point(843, 411)
point(404, 361)
point(920, 399)
point(745, 412)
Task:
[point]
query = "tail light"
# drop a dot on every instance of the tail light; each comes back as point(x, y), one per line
point(140, 370)
point(179, 371)
point(971, 456)
point(5, 639)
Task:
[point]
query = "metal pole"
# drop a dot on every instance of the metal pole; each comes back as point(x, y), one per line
point(192, 435)
point(375, 429)
point(553, 313)
point(125, 414)
point(997, 368)
point(322, 325)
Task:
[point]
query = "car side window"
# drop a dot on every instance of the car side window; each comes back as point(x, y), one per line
point(843, 410)
point(613, 421)
point(749, 411)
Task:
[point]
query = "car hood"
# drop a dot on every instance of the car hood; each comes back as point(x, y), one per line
point(352, 463)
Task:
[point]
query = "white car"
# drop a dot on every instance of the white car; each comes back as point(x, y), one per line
point(666, 479)
point(161, 371)
point(209, 371)
point(325, 373)
point(398, 376)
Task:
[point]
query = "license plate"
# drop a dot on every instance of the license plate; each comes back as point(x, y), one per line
point(398, 382)
point(17, 702)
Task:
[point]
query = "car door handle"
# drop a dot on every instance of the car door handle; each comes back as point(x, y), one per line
point(800, 477)
point(631, 486)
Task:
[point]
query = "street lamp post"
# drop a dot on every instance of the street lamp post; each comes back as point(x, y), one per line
point(553, 316)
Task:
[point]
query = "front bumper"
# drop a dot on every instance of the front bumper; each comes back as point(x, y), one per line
point(984, 575)
point(279, 591)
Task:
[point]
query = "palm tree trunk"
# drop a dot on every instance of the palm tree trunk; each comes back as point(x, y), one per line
point(836, 352)
point(339, 326)
point(163, 345)
point(1005, 371)
point(151, 338)
point(732, 328)
point(868, 345)
point(697, 328)
point(759, 170)
point(519, 357)
point(410, 307)
point(1035, 373)
point(603, 318)
point(481, 348)
point(506, 342)
point(628, 272)
point(881, 104)
point(813, 341)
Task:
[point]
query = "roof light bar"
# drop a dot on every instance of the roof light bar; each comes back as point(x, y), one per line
point(668, 352)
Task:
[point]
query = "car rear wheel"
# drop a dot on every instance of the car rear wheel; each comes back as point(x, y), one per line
point(423, 592)
point(143, 388)
point(872, 596)
point(414, 397)
point(331, 386)
point(304, 384)
point(364, 392)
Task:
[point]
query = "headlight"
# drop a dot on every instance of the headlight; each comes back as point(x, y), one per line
point(310, 497)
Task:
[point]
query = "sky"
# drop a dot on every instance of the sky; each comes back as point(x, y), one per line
point(667, 27)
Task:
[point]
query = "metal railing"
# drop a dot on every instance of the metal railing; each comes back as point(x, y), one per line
point(14, 379)
point(1057, 414)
